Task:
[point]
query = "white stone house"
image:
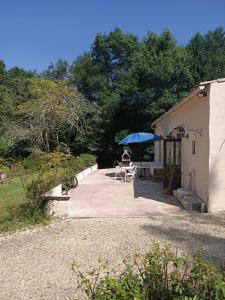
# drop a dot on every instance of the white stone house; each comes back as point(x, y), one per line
point(198, 121)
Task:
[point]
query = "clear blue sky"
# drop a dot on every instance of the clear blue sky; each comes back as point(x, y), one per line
point(34, 33)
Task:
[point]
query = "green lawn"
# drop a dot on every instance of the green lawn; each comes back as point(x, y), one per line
point(16, 211)
point(11, 193)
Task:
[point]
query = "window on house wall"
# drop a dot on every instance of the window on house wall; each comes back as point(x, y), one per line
point(193, 147)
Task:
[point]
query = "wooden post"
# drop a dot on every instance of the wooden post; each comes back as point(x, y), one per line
point(164, 163)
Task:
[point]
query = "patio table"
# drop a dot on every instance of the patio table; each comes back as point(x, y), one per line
point(156, 170)
point(150, 168)
point(143, 170)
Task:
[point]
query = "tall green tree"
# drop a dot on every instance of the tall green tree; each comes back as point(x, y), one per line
point(127, 83)
point(51, 106)
point(13, 91)
point(208, 55)
point(130, 82)
point(57, 71)
point(102, 76)
point(4, 101)
point(162, 74)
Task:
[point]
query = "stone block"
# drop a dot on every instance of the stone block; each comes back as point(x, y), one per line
point(191, 203)
point(58, 207)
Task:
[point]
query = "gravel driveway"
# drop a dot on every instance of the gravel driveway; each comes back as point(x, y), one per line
point(35, 264)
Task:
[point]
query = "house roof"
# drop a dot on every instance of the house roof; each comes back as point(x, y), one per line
point(186, 99)
point(219, 80)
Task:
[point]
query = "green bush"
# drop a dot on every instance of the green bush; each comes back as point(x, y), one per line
point(43, 183)
point(10, 166)
point(68, 180)
point(88, 159)
point(56, 159)
point(81, 162)
point(38, 160)
point(7, 161)
point(161, 274)
point(78, 164)
point(64, 148)
point(59, 169)
point(34, 161)
point(4, 169)
point(40, 173)
point(24, 215)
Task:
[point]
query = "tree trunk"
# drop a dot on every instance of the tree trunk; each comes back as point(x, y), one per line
point(45, 140)
point(57, 138)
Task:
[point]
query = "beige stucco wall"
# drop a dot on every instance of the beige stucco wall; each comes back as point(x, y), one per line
point(194, 114)
point(217, 148)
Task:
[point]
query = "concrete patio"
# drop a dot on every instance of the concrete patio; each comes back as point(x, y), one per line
point(100, 195)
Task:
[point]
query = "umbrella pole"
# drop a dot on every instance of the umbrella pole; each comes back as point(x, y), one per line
point(140, 158)
point(140, 152)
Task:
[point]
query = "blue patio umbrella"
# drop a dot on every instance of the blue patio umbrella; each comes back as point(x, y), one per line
point(140, 137)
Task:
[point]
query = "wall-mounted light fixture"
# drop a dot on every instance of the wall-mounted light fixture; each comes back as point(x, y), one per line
point(183, 132)
point(202, 91)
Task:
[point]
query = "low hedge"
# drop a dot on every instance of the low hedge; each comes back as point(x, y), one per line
point(57, 168)
point(38, 160)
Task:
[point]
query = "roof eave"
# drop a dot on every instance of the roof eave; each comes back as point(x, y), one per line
point(187, 98)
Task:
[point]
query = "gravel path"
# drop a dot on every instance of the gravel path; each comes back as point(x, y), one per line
point(35, 264)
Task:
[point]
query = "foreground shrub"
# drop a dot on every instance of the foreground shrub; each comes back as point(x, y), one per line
point(160, 274)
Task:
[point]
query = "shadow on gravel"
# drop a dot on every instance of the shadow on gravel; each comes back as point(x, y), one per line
point(187, 238)
point(207, 219)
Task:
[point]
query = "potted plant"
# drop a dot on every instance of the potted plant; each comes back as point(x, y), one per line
point(171, 171)
point(69, 181)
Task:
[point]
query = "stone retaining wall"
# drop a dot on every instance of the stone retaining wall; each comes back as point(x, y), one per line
point(58, 204)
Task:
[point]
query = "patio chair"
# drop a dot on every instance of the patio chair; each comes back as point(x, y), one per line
point(131, 174)
point(119, 173)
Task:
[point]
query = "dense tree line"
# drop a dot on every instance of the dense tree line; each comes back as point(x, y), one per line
point(120, 85)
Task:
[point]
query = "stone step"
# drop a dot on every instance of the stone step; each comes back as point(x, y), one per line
point(191, 203)
point(190, 200)
point(183, 192)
